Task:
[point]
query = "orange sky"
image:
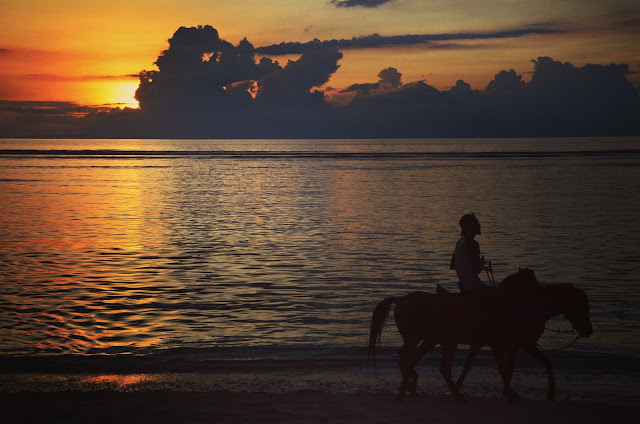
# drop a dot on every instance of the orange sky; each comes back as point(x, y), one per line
point(88, 52)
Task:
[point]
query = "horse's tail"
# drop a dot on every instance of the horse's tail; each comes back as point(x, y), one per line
point(378, 318)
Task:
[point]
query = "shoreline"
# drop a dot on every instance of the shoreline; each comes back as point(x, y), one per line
point(307, 406)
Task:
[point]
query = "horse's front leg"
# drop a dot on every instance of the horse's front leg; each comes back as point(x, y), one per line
point(506, 369)
point(473, 351)
point(537, 353)
point(448, 354)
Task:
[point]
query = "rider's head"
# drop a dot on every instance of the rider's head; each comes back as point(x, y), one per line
point(470, 225)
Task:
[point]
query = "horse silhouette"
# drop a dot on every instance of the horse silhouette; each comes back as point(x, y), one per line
point(506, 318)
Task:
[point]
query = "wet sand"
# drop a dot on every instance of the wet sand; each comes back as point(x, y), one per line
point(293, 407)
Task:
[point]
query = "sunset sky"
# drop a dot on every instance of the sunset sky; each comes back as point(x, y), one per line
point(90, 53)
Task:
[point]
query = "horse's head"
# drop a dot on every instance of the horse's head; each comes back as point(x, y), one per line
point(576, 310)
point(527, 275)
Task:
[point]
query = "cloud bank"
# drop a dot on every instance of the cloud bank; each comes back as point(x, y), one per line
point(377, 40)
point(206, 87)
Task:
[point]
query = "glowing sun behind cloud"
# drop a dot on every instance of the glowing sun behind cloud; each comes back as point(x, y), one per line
point(121, 92)
point(112, 91)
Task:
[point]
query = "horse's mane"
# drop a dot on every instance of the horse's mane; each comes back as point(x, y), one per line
point(566, 286)
point(523, 280)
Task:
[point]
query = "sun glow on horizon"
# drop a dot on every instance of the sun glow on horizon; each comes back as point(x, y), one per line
point(108, 92)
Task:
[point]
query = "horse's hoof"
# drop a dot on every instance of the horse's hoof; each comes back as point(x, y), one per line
point(511, 396)
point(551, 397)
point(459, 397)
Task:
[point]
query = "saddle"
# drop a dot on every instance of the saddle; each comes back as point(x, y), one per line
point(463, 307)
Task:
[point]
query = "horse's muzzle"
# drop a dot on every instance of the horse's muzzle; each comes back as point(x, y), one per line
point(586, 331)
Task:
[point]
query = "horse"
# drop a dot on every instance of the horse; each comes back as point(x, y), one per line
point(506, 318)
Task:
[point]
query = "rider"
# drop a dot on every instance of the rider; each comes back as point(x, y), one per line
point(468, 263)
point(466, 259)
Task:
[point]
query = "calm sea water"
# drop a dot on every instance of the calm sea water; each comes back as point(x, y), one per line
point(282, 248)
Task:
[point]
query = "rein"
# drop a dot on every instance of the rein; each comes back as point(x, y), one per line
point(558, 331)
point(561, 348)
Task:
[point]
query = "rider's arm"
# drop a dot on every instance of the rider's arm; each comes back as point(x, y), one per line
point(477, 263)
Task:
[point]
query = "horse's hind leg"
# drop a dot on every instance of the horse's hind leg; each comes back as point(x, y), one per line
point(424, 348)
point(407, 359)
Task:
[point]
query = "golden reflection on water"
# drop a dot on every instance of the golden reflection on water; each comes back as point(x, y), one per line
point(79, 232)
point(119, 381)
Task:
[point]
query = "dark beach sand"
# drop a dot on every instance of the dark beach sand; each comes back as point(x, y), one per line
point(294, 407)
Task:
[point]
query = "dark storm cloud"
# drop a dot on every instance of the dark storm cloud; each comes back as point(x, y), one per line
point(205, 87)
point(361, 3)
point(377, 40)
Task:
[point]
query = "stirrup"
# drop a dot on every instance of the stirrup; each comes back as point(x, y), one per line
point(441, 290)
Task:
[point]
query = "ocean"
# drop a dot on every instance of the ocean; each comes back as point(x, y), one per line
point(216, 263)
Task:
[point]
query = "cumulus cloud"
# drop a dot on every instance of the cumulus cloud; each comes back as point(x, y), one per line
point(461, 88)
point(390, 79)
point(390, 76)
point(297, 78)
point(361, 3)
point(196, 74)
point(377, 40)
point(205, 87)
point(506, 82)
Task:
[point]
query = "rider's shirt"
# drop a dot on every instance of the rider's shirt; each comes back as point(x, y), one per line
point(467, 263)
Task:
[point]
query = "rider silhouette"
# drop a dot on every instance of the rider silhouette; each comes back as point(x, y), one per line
point(466, 259)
